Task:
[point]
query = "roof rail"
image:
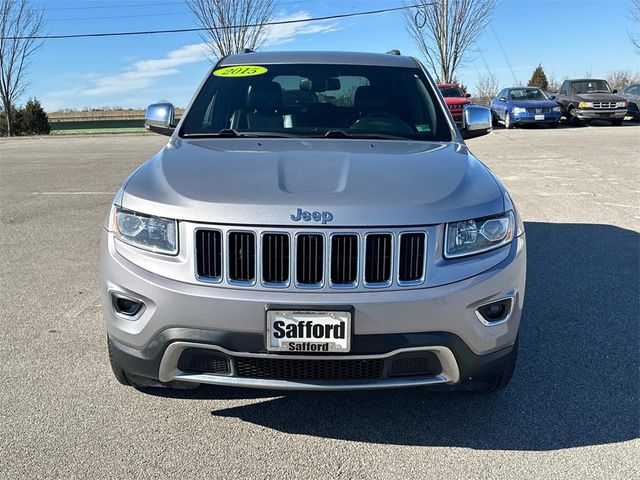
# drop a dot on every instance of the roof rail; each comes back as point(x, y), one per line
point(246, 50)
point(394, 52)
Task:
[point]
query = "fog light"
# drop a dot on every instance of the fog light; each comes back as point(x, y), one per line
point(495, 312)
point(126, 306)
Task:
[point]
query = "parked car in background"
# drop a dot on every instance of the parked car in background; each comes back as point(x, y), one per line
point(456, 98)
point(586, 99)
point(632, 95)
point(524, 105)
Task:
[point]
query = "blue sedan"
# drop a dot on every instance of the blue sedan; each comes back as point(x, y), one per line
point(520, 105)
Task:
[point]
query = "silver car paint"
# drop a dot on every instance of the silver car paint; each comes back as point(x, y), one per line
point(360, 182)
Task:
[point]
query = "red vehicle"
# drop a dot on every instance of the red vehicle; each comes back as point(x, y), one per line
point(456, 98)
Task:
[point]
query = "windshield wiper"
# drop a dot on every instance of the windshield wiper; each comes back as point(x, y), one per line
point(233, 133)
point(343, 134)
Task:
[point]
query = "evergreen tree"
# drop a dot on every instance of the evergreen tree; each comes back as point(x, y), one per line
point(539, 79)
point(34, 119)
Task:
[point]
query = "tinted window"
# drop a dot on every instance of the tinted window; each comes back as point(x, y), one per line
point(311, 100)
point(590, 86)
point(451, 92)
point(527, 94)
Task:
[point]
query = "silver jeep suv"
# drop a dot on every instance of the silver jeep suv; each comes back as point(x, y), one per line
point(315, 222)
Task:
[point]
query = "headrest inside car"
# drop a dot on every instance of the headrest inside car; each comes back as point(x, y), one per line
point(369, 99)
point(265, 97)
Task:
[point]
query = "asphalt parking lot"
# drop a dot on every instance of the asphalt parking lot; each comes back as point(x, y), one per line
point(571, 411)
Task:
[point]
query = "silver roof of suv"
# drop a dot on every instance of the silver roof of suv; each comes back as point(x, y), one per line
point(340, 58)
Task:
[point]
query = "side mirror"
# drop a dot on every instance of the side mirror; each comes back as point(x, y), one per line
point(552, 97)
point(502, 99)
point(468, 95)
point(160, 118)
point(615, 90)
point(476, 121)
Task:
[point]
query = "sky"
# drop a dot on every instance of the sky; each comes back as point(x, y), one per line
point(568, 37)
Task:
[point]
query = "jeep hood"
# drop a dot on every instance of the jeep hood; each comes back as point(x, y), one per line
point(360, 182)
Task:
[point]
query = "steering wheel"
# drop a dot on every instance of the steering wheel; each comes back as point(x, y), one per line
point(383, 121)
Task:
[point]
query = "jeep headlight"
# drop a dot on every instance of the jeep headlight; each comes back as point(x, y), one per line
point(621, 105)
point(557, 109)
point(585, 105)
point(151, 233)
point(469, 237)
point(519, 110)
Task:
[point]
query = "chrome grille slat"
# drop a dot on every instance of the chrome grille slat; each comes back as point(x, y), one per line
point(209, 254)
point(289, 258)
point(411, 262)
point(377, 268)
point(344, 259)
point(242, 254)
point(310, 259)
point(275, 258)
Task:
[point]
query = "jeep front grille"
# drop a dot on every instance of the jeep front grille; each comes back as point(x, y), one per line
point(323, 260)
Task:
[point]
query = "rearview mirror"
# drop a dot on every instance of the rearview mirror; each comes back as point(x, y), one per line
point(160, 118)
point(476, 121)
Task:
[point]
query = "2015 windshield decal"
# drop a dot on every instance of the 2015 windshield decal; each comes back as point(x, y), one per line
point(240, 71)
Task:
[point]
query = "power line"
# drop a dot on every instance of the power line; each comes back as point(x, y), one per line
point(117, 17)
point(185, 12)
point(187, 30)
point(93, 7)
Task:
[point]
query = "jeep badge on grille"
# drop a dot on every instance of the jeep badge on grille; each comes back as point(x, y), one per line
point(316, 216)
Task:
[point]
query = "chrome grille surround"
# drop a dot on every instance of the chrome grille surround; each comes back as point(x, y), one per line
point(606, 105)
point(292, 284)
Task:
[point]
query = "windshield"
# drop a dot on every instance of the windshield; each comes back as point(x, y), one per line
point(527, 94)
point(315, 101)
point(451, 92)
point(590, 86)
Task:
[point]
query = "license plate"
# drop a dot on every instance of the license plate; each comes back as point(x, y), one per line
point(539, 117)
point(306, 331)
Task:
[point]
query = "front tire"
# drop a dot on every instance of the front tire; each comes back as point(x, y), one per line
point(508, 123)
point(573, 120)
point(140, 383)
point(503, 379)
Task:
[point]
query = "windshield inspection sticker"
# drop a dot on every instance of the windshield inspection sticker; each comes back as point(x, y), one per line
point(240, 71)
point(423, 128)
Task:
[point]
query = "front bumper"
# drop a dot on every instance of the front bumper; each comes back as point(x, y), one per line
point(549, 117)
point(593, 114)
point(231, 321)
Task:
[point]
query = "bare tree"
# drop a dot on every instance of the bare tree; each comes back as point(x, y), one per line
point(619, 79)
point(19, 23)
point(445, 29)
point(634, 10)
point(554, 83)
point(487, 87)
point(227, 23)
